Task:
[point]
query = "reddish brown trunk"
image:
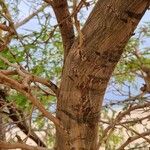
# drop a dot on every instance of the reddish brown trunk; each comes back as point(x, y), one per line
point(88, 69)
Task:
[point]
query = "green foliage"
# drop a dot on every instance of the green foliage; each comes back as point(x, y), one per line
point(19, 99)
point(39, 121)
point(114, 140)
point(50, 140)
point(128, 64)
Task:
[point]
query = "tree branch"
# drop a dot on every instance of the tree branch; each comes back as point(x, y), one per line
point(126, 101)
point(6, 146)
point(46, 82)
point(135, 132)
point(15, 115)
point(25, 91)
point(25, 20)
point(27, 77)
point(118, 118)
point(66, 27)
point(133, 138)
point(11, 30)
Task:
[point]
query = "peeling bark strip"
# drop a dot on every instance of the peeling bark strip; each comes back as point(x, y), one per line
point(88, 69)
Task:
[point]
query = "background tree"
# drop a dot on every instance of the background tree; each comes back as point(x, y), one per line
point(34, 52)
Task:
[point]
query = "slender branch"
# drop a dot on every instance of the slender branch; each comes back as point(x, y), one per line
point(9, 72)
point(133, 138)
point(130, 99)
point(6, 146)
point(46, 82)
point(24, 21)
point(139, 134)
point(11, 30)
point(136, 120)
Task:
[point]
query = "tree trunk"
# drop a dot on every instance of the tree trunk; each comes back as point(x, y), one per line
point(1, 128)
point(88, 68)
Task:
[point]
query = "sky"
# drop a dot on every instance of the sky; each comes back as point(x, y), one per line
point(146, 18)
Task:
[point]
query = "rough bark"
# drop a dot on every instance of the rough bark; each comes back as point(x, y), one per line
point(88, 68)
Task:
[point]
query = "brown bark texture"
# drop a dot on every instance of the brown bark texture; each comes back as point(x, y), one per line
point(88, 68)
